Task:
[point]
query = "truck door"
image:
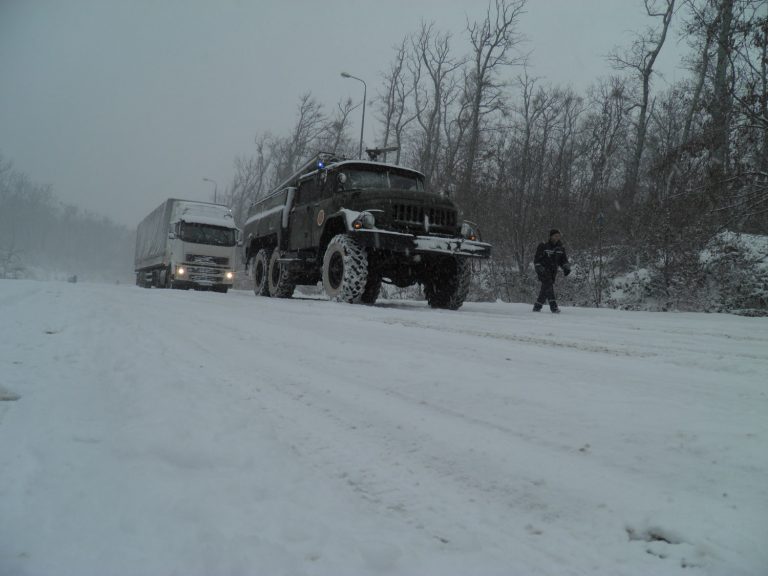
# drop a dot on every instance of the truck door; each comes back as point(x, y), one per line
point(303, 220)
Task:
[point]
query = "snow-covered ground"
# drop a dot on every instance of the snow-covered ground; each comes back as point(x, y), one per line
point(165, 432)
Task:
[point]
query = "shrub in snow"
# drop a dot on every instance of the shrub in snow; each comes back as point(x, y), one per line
point(735, 271)
point(631, 291)
point(483, 286)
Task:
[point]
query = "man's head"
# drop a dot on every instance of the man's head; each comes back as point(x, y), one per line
point(554, 235)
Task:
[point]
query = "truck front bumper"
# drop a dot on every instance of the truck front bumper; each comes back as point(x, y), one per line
point(204, 276)
point(411, 244)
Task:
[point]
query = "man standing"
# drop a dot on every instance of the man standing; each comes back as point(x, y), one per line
point(549, 256)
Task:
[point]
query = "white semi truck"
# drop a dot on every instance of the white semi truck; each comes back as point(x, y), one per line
point(187, 244)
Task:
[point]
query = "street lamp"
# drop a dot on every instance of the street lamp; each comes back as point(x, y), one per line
point(215, 188)
point(362, 123)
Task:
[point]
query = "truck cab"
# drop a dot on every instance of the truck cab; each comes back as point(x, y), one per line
point(186, 244)
point(202, 254)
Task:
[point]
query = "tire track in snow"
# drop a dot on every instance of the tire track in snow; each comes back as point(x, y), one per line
point(533, 340)
point(396, 463)
point(666, 351)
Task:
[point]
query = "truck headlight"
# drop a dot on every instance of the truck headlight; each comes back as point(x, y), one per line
point(364, 220)
point(229, 275)
point(180, 271)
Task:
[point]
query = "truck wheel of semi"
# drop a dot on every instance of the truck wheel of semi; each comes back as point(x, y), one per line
point(354, 225)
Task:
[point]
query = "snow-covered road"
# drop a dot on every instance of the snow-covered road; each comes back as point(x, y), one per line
point(167, 432)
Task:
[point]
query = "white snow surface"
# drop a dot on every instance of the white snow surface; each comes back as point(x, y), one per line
point(160, 432)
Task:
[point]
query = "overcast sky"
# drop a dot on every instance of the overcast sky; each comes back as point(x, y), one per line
point(121, 104)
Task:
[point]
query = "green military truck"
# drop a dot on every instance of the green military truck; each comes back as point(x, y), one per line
point(354, 224)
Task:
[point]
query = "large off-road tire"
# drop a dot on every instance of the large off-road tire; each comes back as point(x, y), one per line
point(259, 266)
point(345, 270)
point(449, 285)
point(372, 289)
point(278, 279)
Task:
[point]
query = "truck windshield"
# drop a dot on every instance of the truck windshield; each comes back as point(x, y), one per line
point(378, 180)
point(206, 234)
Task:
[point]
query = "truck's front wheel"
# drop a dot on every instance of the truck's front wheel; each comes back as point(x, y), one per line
point(259, 265)
point(278, 278)
point(345, 270)
point(448, 285)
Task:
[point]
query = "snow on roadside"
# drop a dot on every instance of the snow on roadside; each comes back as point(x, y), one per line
point(165, 432)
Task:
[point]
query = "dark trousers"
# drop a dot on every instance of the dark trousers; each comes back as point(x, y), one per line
point(547, 291)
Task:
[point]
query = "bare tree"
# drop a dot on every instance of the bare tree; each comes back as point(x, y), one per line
point(700, 31)
point(252, 175)
point(721, 90)
point(524, 179)
point(641, 60)
point(431, 67)
point(493, 41)
point(310, 124)
point(396, 115)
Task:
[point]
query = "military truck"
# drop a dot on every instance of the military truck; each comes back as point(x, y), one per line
point(354, 224)
point(187, 244)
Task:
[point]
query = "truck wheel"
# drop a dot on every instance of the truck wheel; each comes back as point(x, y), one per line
point(345, 270)
point(372, 289)
point(259, 265)
point(449, 285)
point(278, 279)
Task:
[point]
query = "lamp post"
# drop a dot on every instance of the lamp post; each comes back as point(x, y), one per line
point(365, 95)
point(215, 188)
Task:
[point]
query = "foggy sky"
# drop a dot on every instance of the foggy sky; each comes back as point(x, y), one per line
point(121, 104)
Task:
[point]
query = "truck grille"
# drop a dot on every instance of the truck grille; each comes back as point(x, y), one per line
point(203, 275)
point(207, 260)
point(414, 216)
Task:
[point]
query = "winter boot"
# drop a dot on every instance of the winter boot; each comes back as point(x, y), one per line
point(553, 307)
point(537, 307)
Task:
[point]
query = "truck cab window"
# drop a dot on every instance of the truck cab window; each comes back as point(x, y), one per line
point(205, 234)
point(379, 180)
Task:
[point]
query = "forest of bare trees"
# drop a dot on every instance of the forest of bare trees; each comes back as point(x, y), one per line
point(643, 176)
point(45, 239)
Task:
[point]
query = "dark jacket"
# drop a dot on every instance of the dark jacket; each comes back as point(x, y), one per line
point(550, 256)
